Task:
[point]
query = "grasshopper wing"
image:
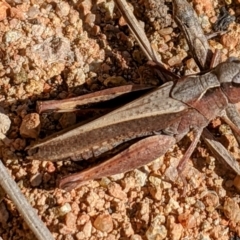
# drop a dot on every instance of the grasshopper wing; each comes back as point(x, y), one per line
point(141, 117)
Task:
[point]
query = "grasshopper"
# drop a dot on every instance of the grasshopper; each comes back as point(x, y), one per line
point(157, 120)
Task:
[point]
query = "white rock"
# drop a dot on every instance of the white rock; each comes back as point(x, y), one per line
point(156, 232)
point(64, 209)
point(5, 123)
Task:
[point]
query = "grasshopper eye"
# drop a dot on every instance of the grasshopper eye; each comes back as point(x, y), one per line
point(236, 78)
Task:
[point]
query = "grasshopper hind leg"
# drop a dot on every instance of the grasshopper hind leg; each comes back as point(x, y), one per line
point(140, 153)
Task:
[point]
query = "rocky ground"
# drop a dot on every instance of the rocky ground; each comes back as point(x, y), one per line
point(59, 49)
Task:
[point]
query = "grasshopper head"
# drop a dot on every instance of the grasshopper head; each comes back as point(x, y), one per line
point(228, 74)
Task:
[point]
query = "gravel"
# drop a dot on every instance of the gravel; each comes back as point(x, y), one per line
point(58, 49)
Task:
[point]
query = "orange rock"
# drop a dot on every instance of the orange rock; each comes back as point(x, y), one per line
point(204, 7)
point(70, 221)
point(231, 210)
point(230, 39)
point(116, 191)
point(187, 220)
point(3, 10)
point(104, 223)
point(176, 231)
point(16, 13)
point(50, 167)
point(122, 21)
point(30, 126)
point(236, 182)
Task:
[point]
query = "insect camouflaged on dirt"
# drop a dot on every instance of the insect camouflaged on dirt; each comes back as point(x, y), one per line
point(158, 119)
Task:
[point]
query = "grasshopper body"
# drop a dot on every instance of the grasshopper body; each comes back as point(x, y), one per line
point(171, 110)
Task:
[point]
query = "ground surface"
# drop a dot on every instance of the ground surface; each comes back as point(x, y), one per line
point(57, 49)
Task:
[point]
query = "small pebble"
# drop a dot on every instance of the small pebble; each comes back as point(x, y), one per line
point(5, 123)
point(82, 219)
point(156, 192)
point(36, 180)
point(230, 39)
point(128, 230)
point(135, 237)
point(103, 223)
point(140, 177)
point(30, 126)
point(116, 191)
point(204, 237)
point(166, 185)
point(86, 6)
point(62, 9)
point(176, 231)
point(211, 200)
point(156, 232)
point(67, 119)
point(236, 182)
point(87, 229)
point(3, 10)
point(64, 209)
point(114, 81)
point(156, 181)
point(187, 220)
point(231, 210)
point(166, 31)
point(177, 59)
point(70, 220)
